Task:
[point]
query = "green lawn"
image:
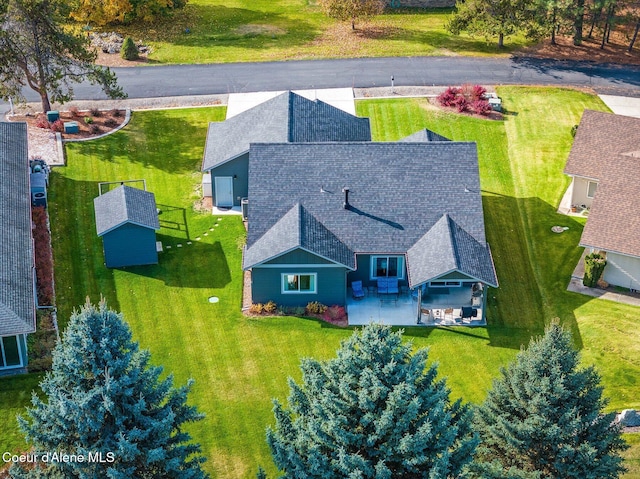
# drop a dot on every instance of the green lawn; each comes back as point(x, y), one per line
point(240, 363)
point(263, 30)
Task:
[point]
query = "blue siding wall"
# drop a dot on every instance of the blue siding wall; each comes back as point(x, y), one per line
point(266, 285)
point(238, 167)
point(130, 245)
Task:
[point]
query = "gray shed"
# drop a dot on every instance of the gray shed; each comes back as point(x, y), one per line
point(127, 220)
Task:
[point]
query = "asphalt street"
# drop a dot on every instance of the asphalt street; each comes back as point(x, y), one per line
point(180, 80)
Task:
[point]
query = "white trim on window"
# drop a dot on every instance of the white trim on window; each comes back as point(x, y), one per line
point(445, 284)
point(292, 283)
point(399, 266)
point(595, 187)
point(3, 356)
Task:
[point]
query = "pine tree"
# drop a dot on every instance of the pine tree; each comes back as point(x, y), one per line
point(129, 50)
point(376, 410)
point(543, 417)
point(102, 396)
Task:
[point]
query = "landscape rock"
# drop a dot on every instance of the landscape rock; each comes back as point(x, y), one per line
point(628, 418)
point(111, 42)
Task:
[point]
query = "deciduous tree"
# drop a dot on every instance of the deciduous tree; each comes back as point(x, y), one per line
point(376, 410)
point(103, 397)
point(352, 9)
point(543, 418)
point(37, 50)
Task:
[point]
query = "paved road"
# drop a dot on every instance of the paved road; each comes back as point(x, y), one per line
point(179, 80)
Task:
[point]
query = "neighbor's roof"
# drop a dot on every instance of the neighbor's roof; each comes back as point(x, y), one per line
point(600, 140)
point(397, 193)
point(17, 305)
point(613, 223)
point(125, 205)
point(607, 148)
point(288, 118)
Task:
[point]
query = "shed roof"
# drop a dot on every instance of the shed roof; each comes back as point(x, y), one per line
point(397, 193)
point(125, 205)
point(17, 306)
point(287, 118)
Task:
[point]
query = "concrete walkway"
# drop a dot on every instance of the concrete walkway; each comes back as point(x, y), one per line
point(622, 105)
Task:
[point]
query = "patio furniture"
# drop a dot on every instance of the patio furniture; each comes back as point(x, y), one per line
point(356, 290)
point(449, 312)
point(388, 286)
point(469, 312)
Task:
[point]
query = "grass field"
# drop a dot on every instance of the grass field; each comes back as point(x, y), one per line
point(261, 30)
point(240, 363)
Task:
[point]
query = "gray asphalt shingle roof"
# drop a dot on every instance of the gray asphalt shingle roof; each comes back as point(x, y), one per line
point(397, 193)
point(125, 205)
point(424, 136)
point(299, 229)
point(17, 306)
point(287, 118)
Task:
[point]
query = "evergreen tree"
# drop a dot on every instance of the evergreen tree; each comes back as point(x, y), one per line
point(104, 397)
point(38, 50)
point(489, 18)
point(129, 50)
point(376, 410)
point(543, 417)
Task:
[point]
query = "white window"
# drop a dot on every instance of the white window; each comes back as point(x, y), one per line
point(299, 283)
point(387, 267)
point(591, 189)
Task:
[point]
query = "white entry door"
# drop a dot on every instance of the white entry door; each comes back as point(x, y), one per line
point(224, 191)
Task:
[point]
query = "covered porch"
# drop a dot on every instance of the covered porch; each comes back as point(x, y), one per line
point(462, 306)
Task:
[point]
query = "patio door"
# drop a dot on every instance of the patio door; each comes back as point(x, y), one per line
point(224, 191)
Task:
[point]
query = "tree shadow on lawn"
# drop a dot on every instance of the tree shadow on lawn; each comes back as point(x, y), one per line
point(231, 27)
point(196, 265)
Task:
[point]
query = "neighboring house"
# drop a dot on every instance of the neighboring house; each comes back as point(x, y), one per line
point(326, 214)
point(17, 272)
point(127, 221)
point(604, 164)
point(287, 118)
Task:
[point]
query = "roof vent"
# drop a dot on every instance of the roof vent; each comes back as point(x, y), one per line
point(345, 205)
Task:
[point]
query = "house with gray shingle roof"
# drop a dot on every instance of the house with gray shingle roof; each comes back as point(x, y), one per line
point(604, 165)
point(127, 221)
point(323, 215)
point(17, 273)
point(286, 118)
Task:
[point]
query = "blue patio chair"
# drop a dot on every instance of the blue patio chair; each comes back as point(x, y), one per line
point(357, 291)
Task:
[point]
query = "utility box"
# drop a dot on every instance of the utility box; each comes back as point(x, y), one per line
point(496, 104)
point(71, 127)
point(244, 203)
point(53, 115)
point(206, 185)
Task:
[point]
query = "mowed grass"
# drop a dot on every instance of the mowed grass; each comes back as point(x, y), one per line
point(263, 30)
point(240, 363)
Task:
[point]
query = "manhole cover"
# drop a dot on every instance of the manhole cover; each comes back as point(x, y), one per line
point(214, 299)
point(559, 229)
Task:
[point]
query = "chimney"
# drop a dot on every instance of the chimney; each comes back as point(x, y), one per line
point(345, 205)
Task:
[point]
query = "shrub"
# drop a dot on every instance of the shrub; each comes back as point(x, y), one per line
point(270, 307)
point(447, 97)
point(88, 120)
point(316, 307)
point(296, 311)
point(42, 122)
point(335, 314)
point(95, 112)
point(129, 50)
point(115, 113)
point(574, 130)
point(57, 125)
point(475, 92)
point(461, 104)
point(110, 123)
point(594, 264)
point(256, 308)
point(95, 129)
point(481, 107)
point(74, 111)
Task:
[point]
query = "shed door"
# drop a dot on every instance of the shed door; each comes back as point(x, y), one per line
point(224, 191)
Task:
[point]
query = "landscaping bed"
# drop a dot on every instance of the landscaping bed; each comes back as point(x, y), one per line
point(91, 123)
